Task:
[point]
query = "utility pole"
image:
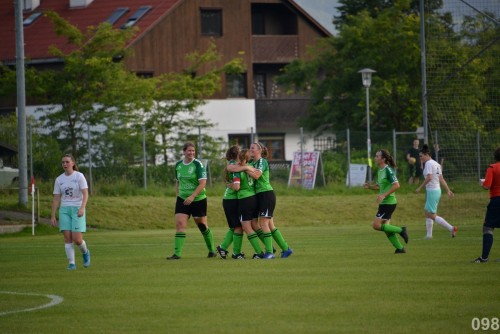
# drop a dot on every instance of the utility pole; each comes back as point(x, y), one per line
point(21, 105)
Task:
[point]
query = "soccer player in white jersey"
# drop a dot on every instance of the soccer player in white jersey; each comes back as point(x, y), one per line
point(71, 195)
point(433, 179)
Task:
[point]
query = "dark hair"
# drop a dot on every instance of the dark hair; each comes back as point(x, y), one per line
point(188, 144)
point(232, 152)
point(244, 155)
point(388, 158)
point(425, 150)
point(75, 167)
point(497, 154)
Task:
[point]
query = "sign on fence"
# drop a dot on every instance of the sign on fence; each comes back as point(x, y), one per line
point(304, 173)
point(356, 176)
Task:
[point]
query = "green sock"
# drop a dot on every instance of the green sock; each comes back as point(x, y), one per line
point(238, 241)
point(391, 228)
point(268, 242)
point(393, 238)
point(228, 239)
point(255, 242)
point(260, 233)
point(179, 242)
point(279, 239)
point(209, 240)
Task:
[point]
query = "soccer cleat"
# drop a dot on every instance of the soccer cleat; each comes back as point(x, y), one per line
point(400, 251)
point(404, 234)
point(258, 256)
point(268, 256)
point(222, 252)
point(454, 232)
point(286, 253)
point(480, 260)
point(428, 237)
point(240, 256)
point(211, 254)
point(71, 266)
point(173, 257)
point(86, 259)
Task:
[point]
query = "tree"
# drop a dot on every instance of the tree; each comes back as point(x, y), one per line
point(351, 8)
point(387, 43)
point(93, 87)
point(178, 96)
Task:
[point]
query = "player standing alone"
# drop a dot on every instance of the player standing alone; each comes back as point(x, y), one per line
point(492, 219)
point(387, 184)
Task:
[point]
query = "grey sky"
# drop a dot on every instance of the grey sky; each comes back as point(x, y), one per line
point(322, 11)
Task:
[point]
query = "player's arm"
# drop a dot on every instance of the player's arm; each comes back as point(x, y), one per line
point(254, 173)
point(237, 168)
point(371, 186)
point(55, 204)
point(445, 185)
point(428, 179)
point(488, 179)
point(85, 195)
point(395, 186)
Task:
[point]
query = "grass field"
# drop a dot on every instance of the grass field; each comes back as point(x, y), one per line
point(342, 278)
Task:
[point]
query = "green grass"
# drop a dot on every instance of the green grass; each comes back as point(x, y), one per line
point(341, 278)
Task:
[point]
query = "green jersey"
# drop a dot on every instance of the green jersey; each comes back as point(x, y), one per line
point(230, 193)
point(263, 183)
point(385, 179)
point(247, 185)
point(188, 176)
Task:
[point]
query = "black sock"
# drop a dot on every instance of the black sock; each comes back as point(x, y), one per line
point(487, 243)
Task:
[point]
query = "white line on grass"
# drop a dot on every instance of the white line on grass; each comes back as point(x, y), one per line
point(54, 300)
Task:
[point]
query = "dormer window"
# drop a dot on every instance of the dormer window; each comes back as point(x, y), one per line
point(117, 14)
point(32, 18)
point(136, 16)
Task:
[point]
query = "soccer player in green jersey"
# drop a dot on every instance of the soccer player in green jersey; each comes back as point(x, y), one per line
point(230, 206)
point(387, 184)
point(267, 202)
point(247, 203)
point(191, 178)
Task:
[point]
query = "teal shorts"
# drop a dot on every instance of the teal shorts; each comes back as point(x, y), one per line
point(432, 200)
point(69, 220)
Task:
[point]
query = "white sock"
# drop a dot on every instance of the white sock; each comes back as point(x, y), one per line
point(444, 223)
point(70, 252)
point(83, 247)
point(428, 225)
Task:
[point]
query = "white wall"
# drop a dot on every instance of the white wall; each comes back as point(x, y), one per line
point(292, 143)
point(231, 116)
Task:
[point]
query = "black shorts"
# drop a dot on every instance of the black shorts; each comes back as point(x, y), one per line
point(196, 209)
point(230, 207)
point(492, 218)
point(385, 211)
point(248, 208)
point(267, 203)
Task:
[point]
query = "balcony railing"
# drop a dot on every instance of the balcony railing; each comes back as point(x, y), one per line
point(274, 48)
point(280, 113)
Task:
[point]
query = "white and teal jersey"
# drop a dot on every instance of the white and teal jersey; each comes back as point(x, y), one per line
point(263, 183)
point(247, 185)
point(70, 188)
point(385, 179)
point(434, 169)
point(230, 193)
point(188, 176)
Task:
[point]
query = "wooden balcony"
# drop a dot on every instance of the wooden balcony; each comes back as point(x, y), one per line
point(282, 114)
point(275, 48)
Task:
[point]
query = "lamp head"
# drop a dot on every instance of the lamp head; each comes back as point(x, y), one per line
point(366, 76)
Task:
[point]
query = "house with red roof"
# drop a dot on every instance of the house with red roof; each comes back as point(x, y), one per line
point(267, 34)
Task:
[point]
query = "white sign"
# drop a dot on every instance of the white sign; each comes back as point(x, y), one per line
point(356, 175)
